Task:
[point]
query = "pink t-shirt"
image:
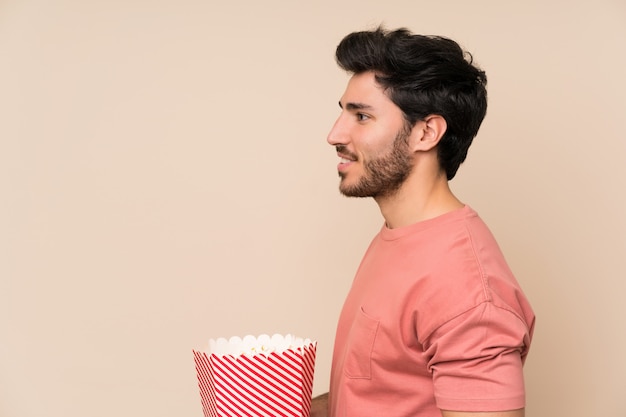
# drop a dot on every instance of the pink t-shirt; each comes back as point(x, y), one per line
point(434, 320)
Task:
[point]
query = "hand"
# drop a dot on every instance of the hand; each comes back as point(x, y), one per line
point(319, 406)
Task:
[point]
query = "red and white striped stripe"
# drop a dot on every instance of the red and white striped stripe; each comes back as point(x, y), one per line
point(272, 385)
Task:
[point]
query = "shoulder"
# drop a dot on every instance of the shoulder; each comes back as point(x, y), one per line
point(464, 268)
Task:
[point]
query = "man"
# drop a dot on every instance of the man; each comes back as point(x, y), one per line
point(435, 324)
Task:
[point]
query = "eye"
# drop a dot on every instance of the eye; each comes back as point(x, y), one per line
point(361, 117)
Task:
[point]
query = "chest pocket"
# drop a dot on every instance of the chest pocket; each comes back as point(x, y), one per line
point(358, 362)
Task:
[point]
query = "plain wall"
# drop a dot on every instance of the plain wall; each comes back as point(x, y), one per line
point(165, 179)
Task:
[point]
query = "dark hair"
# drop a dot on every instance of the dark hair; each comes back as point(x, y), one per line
point(424, 75)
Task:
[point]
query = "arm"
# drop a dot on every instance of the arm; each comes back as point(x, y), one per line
point(479, 360)
point(319, 406)
point(512, 413)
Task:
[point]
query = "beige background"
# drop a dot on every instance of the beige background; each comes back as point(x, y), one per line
point(164, 179)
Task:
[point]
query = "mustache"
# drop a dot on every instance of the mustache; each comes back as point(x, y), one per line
point(344, 151)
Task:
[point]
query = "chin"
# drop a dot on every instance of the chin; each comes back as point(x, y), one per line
point(353, 191)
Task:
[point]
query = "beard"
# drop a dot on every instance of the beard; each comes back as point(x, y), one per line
point(383, 175)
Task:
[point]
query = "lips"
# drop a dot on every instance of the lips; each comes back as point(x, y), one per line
point(346, 158)
point(345, 161)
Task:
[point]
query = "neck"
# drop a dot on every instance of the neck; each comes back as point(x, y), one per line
point(423, 196)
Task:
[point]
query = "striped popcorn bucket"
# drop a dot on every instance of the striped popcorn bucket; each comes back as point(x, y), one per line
point(256, 377)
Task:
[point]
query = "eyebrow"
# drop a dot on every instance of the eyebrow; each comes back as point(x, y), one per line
point(356, 106)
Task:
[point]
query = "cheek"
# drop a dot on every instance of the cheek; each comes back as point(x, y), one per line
point(377, 145)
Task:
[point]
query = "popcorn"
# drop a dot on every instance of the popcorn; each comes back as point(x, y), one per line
point(256, 376)
point(251, 345)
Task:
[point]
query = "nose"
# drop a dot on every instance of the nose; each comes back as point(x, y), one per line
point(338, 135)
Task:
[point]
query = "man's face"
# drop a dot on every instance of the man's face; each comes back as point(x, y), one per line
point(371, 138)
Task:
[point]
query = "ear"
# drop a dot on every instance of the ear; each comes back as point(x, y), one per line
point(427, 133)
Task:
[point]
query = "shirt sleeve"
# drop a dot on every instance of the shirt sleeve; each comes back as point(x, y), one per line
point(476, 360)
